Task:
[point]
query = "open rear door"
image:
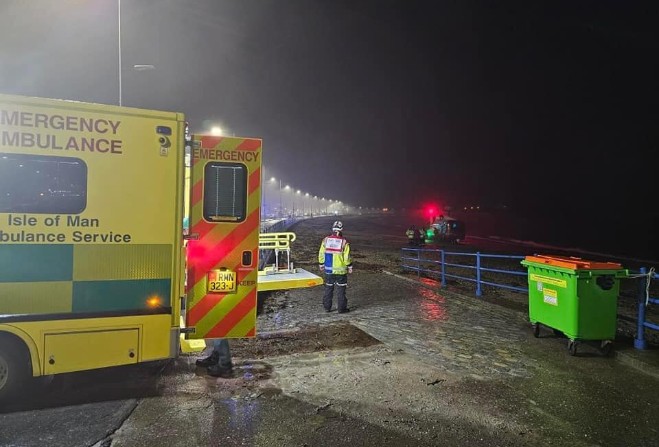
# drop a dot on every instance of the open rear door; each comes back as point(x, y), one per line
point(222, 248)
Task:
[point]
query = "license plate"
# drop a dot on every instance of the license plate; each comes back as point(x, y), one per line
point(221, 281)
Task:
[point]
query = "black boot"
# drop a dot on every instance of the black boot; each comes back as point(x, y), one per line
point(211, 360)
point(225, 372)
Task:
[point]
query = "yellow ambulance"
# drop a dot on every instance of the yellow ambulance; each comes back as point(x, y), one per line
point(94, 268)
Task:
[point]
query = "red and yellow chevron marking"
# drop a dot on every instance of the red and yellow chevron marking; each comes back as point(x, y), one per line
point(221, 245)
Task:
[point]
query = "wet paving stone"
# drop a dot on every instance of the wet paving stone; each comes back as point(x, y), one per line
point(465, 340)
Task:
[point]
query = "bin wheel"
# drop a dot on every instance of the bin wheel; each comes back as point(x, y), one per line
point(606, 347)
point(536, 330)
point(572, 347)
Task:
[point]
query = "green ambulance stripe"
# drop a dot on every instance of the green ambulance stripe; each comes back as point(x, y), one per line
point(103, 296)
point(35, 263)
point(83, 278)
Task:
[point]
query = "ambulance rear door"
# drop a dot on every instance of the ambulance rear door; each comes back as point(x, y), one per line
point(222, 247)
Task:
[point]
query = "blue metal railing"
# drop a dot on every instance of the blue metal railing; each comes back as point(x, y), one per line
point(644, 300)
point(434, 262)
point(277, 225)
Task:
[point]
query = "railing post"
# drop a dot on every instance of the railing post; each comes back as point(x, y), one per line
point(443, 268)
point(639, 341)
point(418, 263)
point(479, 292)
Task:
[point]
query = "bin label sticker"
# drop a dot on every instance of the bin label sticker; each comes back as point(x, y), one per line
point(550, 296)
point(546, 279)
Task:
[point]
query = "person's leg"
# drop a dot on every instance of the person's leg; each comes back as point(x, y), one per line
point(341, 298)
point(224, 367)
point(222, 348)
point(329, 292)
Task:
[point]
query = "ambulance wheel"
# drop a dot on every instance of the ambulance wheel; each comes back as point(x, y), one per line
point(572, 347)
point(536, 330)
point(13, 367)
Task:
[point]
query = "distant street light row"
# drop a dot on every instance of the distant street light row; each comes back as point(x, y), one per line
point(310, 204)
point(307, 204)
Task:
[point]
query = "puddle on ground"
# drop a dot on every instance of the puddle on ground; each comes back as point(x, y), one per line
point(433, 307)
point(246, 371)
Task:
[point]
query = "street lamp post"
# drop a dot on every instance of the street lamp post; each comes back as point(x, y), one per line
point(119, 37)
point(273, 180)
point(306, 194)
point(296, 193)
point(137, 67)
point(287, 188)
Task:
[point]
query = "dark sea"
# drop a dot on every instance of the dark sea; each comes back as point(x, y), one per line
point(627, 236)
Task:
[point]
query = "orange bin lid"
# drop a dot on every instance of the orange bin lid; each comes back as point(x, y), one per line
point(573, 263)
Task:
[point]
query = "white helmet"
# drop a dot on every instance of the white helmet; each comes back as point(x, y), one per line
point(337, 226)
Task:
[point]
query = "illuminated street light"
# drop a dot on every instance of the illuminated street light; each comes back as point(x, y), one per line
point(216, 131)
point(143, 67)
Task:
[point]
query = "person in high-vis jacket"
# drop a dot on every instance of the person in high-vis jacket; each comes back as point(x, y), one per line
point(411, 235)
point(334, 260)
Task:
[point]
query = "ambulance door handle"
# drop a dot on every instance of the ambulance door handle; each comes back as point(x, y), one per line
point(247, 258)
point(191, 237)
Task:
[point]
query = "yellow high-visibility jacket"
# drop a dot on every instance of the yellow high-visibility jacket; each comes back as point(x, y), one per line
point(334, 254)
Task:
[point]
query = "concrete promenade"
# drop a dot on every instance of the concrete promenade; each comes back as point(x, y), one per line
point(411, 364)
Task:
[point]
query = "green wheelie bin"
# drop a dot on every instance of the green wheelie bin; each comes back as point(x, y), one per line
point(576, 297)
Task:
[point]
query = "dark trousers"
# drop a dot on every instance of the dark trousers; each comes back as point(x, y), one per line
point(341, 282)
point(221, 347)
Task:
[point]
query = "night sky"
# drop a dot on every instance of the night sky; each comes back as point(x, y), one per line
point(540, 106)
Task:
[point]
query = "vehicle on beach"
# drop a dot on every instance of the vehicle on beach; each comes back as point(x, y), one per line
point(447, 229)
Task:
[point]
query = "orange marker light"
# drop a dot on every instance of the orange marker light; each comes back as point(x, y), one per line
point(153, 301)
